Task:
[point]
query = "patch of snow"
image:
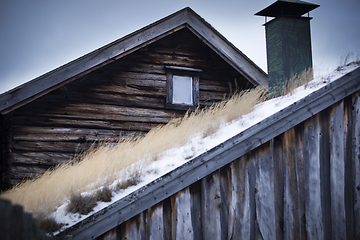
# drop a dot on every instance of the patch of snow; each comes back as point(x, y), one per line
point(173, 158)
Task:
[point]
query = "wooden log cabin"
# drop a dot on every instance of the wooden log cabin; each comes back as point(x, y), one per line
point(124, 88)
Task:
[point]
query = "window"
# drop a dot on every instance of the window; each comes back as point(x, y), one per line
point(182, 88)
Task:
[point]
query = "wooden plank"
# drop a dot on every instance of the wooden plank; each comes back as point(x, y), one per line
point(68, 134)
point(58, 147)
point(225, 153)
point(278, 169)
point(337, 171)
point(183, 226)
point(300, 175)
point(356, 165)
point(239, 204)
point(264, 192)
point(225, 195)
point(26, 171)
point(313, 210)
point(41, 158)
point(349, 185)
point(155, 223)
point(324, 157)
point(291, 207)
point(254, 229)
point(83, 123)
point(168, 217)
point(195, 204)
point(110, 235)
point(134, 228)
point(210, 209)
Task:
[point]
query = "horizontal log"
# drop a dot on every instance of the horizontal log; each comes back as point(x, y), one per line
point(42, 158)
point(106, 111)
point(212, 96)
point(132, 76)
point(51, 146)
point(66, 134)
point(83, 123)
point(169, 59)
point(28, 171)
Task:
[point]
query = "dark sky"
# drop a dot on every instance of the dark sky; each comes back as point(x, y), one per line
point(39, 35)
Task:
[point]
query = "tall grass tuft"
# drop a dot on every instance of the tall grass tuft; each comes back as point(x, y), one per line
point(125, 161)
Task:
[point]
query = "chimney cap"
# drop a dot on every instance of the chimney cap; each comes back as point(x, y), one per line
point(294, 8)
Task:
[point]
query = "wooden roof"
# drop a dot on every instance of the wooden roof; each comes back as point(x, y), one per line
point(228, 151)
point(185, 18)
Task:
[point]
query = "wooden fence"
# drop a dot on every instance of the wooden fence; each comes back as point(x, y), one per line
point(302, 184)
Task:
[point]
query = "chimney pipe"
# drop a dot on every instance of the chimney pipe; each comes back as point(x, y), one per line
point(288, 42)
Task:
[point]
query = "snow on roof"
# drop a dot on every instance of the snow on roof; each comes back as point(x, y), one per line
point(174, 159)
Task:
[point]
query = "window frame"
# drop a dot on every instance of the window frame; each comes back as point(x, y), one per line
point(184, 72)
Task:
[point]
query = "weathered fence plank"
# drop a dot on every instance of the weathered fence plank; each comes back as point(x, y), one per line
point(134, 228)
point(211, 201)
point(183, 228)
point(356, 166)
point(155, 223)
point(313, 210)
point(278, 171)
point(264, 192)
point(300, 178)
point(291, 212)
point(337, 171)
point(239, 205)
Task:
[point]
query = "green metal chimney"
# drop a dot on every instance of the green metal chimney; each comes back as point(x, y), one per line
point(288, 41)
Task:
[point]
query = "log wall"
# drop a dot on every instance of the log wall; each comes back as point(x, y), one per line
point(302, 184)
point(122, 98)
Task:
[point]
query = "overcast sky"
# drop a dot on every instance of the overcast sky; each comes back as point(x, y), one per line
point(40, 35)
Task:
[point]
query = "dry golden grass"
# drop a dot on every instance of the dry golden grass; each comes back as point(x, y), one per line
point(124, 162)
point(297, 80)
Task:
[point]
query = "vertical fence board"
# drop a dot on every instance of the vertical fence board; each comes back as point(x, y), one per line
point(155, 222)
point(225, 194)
point(195, 194)
point(239, 205)
point(356, 166)
point(300, 175)
point(210, 209)
point(276, 145)
point(254, 229)
point(348, 190)
point(313, 211)
point(134, 228)
point(324, 158)
point(182, 210)
point(264, 193)
point(291, 213)
point(337, 171)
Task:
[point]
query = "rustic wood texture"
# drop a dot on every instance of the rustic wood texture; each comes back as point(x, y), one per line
point(356, 165)
point(274, 192)
point(337, 171)
point(264, 192)
point(303, 125)
point(124, 98)
point(313, 207)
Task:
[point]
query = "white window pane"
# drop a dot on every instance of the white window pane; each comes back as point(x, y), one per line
point(182, 90)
